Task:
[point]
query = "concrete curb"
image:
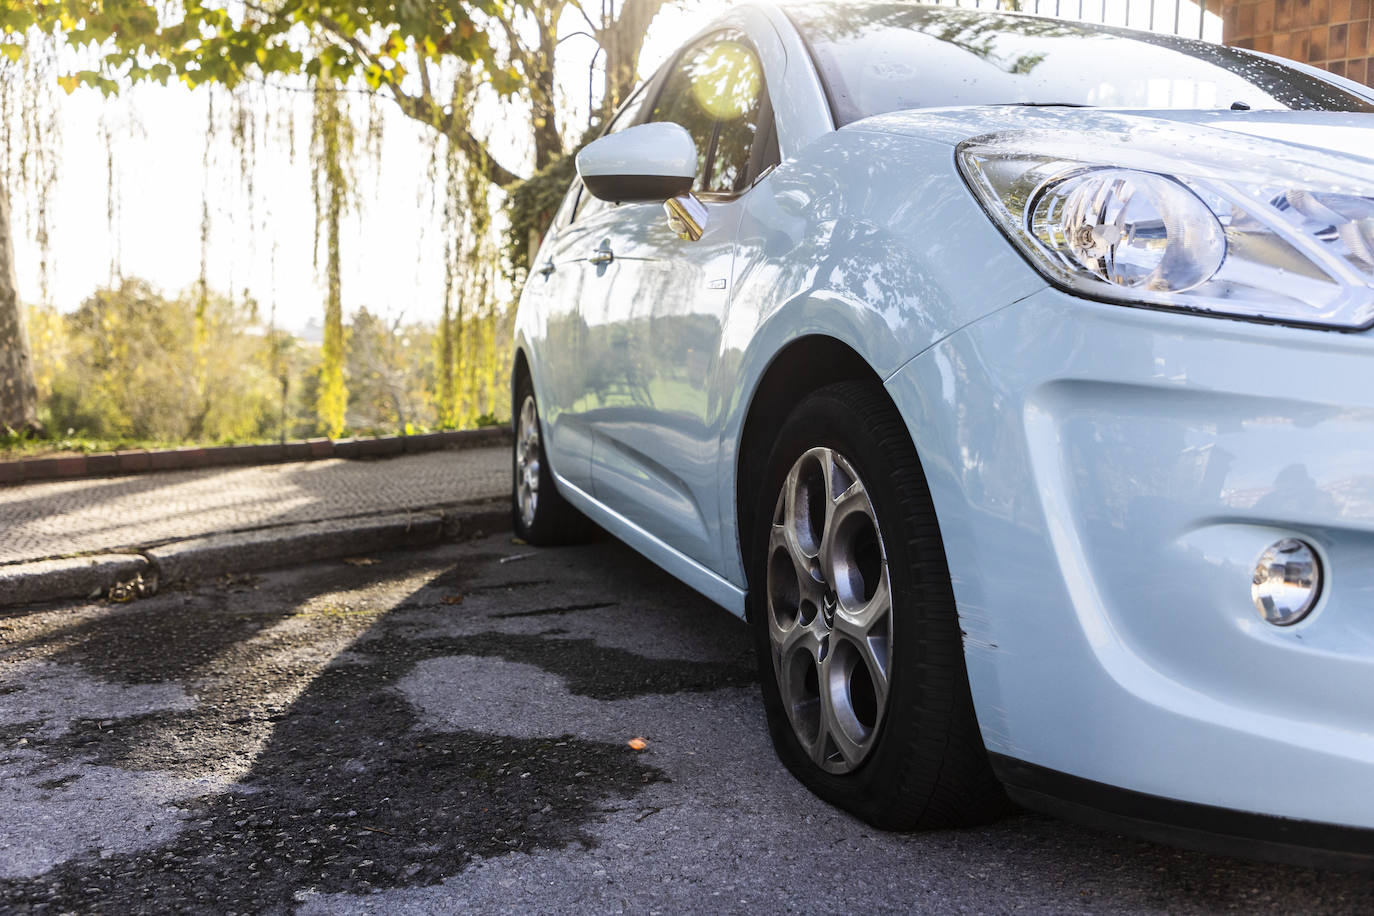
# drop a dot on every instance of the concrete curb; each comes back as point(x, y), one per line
point(140, 461)
point(217, 554)
point(244, 551)
point(76, 577)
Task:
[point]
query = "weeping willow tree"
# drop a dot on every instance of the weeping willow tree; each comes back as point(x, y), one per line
point(465, 346)
point(28, 167)
point(331, 144)
point(18, 390)
point(469, 327)
point(438, 62)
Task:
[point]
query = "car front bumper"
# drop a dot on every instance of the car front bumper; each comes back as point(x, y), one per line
point(1106, 479)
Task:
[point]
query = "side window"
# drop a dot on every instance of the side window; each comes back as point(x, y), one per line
point(716, 92)
point(565, 209)
point(628, 116)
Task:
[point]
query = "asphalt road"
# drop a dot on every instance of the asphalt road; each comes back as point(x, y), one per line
point(448, 730)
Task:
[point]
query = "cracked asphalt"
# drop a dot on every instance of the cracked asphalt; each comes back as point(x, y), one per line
point(447, 731)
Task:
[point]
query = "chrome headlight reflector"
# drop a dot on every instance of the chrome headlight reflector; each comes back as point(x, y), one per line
point(1222, 229)
point(1130, 229)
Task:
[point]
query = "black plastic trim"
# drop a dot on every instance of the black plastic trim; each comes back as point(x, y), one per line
point(636, 188)
point(1205, 828)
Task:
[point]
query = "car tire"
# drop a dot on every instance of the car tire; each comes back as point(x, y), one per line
point(870, 709)
point(539, 513)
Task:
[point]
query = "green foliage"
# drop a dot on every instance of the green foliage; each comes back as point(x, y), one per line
point(472, 343)
point(32, 445)
point(530, 208)
point(434, 59)
point(223, 41)
point(384, 46)
point(445, 358)
point(532, 203)
point(391, 373)
point(482, 372)
point(119, 373)
point(123, 365)
point(332, 145)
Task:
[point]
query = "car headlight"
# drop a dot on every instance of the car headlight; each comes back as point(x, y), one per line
point(1178, 217)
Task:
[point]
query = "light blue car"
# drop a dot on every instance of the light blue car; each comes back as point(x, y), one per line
point(1012, 377)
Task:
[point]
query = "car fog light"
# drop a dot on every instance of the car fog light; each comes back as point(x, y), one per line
point(1287, 582)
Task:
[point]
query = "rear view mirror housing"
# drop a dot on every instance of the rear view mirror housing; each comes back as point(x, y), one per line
point(651, 162)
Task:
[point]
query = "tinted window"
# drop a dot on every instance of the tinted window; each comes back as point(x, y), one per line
point(881, 57)
point(679, 104)
point(564, 214)
point(716, 92)
point(738, 97)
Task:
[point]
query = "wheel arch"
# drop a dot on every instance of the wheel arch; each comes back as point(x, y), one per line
point(520, 365)
point(805, 365)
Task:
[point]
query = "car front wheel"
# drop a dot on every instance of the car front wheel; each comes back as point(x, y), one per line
point(857, 637)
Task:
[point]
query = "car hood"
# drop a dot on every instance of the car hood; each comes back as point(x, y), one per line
point(1347, 136)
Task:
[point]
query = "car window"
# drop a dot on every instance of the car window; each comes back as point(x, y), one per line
point(739, 101)
point(564, 214)
point(716, 92)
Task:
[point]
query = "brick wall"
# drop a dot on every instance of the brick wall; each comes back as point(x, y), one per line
point(1335, 34)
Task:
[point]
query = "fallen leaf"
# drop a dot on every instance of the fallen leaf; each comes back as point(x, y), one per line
point(638, 744)
point(451, 599)
point(361, 561)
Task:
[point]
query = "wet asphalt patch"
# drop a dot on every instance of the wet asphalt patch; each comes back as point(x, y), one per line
point(328, 810)
point(339, 787)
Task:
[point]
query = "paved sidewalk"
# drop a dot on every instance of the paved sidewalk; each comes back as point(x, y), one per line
point(109, 514)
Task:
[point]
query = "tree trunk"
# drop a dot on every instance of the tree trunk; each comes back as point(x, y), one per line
point(622, 38)
point(332, 406)
point(18, 393)
point(548, 142)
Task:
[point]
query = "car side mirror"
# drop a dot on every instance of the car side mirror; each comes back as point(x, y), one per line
point(651, 162)
point(655, 162)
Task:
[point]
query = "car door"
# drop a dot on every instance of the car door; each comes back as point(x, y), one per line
point(563, 287)
point(658, 325)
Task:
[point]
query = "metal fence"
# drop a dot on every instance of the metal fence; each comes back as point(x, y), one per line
point(1174, 17)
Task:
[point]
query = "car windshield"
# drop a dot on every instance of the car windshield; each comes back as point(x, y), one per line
point(881, 57)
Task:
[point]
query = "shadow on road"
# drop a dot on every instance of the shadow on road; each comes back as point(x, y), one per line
point(324, 776)
point(340, 788)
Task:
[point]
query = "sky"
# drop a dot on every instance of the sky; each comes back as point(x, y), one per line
point(156, 138)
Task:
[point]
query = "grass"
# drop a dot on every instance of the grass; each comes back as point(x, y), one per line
point(24, 446)
point(14, 446)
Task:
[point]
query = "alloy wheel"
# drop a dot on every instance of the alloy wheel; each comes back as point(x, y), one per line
point(829, 610)
point(527, 463)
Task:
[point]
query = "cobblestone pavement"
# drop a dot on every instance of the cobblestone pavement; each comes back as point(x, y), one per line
point(61, 518)
point(452, 731)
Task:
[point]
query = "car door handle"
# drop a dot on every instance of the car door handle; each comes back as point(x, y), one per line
point(602, 255)
point(547, 269)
